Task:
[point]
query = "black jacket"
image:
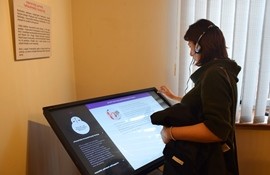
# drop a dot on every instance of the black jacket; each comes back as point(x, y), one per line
point(213, 102)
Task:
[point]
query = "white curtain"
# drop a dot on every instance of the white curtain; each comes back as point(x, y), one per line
point(246, 27)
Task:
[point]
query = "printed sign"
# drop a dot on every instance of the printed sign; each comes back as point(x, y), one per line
point(32, 22)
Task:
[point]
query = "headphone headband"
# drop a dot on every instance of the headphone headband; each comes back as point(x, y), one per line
point(197, 45)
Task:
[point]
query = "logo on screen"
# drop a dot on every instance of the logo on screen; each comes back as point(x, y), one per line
point(79, 126)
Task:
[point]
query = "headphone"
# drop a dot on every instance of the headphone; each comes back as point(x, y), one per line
point(197, 45)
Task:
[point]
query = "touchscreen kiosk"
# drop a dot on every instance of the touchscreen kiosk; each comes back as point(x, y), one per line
point(111, 135)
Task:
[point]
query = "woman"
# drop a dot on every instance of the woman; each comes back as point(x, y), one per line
point(214, 94)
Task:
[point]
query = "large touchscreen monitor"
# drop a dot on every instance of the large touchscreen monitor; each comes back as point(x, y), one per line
point(111, 135)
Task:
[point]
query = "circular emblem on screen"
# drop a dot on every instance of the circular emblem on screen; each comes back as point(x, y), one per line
point(79, 126)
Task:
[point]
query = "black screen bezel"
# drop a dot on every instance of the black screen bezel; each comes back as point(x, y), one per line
point(76, 159)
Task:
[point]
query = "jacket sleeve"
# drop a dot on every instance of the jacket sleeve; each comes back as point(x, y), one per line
point(216, 95)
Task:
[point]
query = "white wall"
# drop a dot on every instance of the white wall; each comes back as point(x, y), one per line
point(123, 45)
point(27, 86)
point(253, 149)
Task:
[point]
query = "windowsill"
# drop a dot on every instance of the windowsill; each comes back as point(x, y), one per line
point(259, 126)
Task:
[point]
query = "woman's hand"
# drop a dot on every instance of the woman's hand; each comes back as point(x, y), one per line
point(168, 93)
point(165, 134)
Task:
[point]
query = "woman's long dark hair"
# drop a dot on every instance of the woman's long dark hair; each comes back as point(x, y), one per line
point(212, 42)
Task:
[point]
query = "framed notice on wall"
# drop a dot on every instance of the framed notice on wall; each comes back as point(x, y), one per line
point(32, 26)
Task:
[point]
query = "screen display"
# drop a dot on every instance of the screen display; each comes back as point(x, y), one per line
point(113, 134)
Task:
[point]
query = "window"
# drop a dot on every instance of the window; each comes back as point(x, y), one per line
point(246, 27)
